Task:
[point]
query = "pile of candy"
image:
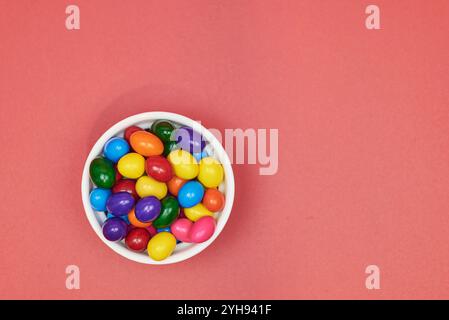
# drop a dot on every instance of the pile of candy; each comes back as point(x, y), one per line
point(157, 187)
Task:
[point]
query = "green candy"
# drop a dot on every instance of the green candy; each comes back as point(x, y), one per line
point(169, 147)
point(169, 212)
point(163, 129)
point(102, 172)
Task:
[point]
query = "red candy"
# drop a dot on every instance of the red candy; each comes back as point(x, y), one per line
point(126, 185)
point(130, 130)
point(137, 239)
point(158, 168)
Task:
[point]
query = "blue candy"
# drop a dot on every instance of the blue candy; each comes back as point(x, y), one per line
point(190, 194)
point(200, 155)
point(167, 229)
point(115, 148)
point(124, 218)
point(98, 198)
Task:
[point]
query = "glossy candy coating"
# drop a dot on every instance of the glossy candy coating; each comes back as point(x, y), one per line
point(114, 229)
point(131, 165)
point(130, 130)
point(147, 186)
point(169, 147)
point(213, 200)
point(162, 129)
point(196, 212)
point(175, 184)
point(126, 185)
point(147, 209)
point(202, 230)
point(135, 222)
point(115, 148)
point(184, 164)
point(137, 239)
point(146, 143)
point(166, 229)
point(98, 198)
point(211, 172)
point(190, 194)
point(161, 246)
point(189, 140)
point(124, 218)
point(181, 228)
point(102, 172)
point(158, 168)
point(152, 230)
point(120, 203)
point(169, 212)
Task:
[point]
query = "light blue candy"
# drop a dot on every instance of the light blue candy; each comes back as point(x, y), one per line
point(98, 198)
point(200, 155)
point(124, 218)
point(190, 194)
point(115, 148)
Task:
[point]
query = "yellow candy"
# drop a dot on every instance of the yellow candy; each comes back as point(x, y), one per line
point(161, 246)
point(211, 172)
point(131, 165)
point(184, 164)
point(147, 186)
point(196, 212)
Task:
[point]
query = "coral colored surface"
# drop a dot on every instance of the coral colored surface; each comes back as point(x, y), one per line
point(363, 135)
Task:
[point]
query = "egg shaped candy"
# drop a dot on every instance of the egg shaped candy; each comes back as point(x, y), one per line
point(213, 200)
point(190, 194)
point(202, 230)
point(211, 172)
point(102, 172)
point(161, 246)
point(184, 164)
point(129, 131)
point(98, 198)
point(147, 186)
point(135, 222)
point(162, 129)
point(115, 148)
point(189, 140)
point(152, 230)
point(169, 212)
point(196, 212)
point(147, 209)
point(120, 203)
point(146, 143)
point(175, 184)
point(158, 168)
point(114, 229)
point(131, 165)
point(126, 185)
point(181, 228)
point(137, 239)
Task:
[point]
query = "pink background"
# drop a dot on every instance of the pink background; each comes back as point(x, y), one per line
point(363, 135)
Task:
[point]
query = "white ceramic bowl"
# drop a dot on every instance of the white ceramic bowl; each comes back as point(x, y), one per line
point(183, 251)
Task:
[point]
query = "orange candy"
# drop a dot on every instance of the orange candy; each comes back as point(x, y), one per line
point(146, 143)
point(213, 200)
point(175, 184)
point(133, 220)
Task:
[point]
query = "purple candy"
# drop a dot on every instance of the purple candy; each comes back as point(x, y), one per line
point(189, 140)
point(115, 229)
point(147, 209)
point(120, 203)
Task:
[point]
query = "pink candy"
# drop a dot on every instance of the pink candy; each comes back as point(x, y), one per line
point(196, 232)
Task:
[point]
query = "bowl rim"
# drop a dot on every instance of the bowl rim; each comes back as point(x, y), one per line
point(221, 155)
